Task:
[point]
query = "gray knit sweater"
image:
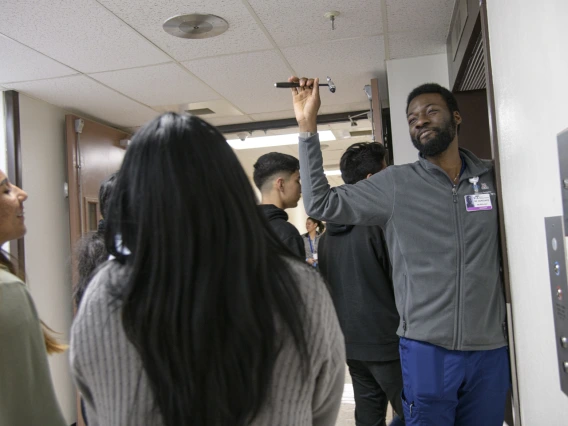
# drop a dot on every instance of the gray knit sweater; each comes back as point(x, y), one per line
point(108, 371)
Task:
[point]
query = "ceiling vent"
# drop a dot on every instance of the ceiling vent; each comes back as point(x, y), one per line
point(356, 133)
point(200, 111)
point(195, 26)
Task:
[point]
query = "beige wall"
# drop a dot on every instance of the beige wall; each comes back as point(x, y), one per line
point(47, 240)
point(530, 69)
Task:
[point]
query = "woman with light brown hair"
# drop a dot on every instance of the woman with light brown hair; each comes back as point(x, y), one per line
point(27, 396)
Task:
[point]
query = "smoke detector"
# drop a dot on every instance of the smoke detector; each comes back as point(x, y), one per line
point(195, 26)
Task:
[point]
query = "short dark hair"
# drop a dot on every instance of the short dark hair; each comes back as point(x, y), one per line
point(272, 163)
point(360, 159)
point(448, 96)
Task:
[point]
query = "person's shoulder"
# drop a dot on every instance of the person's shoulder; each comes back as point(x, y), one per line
point(98, 294)
point(290, 228)
point(7, 278)
point(313, 289)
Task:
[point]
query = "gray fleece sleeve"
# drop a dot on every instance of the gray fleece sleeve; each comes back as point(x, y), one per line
point(368, 202)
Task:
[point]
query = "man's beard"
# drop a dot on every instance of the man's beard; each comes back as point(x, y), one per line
point(439, 142)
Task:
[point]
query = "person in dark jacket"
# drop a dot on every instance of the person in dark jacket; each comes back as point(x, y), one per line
point(355, 262)
point(277, 177)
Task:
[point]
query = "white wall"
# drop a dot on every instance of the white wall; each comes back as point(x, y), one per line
point(530, 68)
point(47, 240)
point(3, 155)
point(403, 76)
point(3, 152)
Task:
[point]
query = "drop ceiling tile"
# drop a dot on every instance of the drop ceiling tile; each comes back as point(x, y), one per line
point(225, 121)
point(246, 80)
point(351, 64)
point(293, 23)
point(82, 95)
point(158, 85)
point(408, 45)
point(20, 63)
point(79, 33)
point(412, 15)
point(148, 16)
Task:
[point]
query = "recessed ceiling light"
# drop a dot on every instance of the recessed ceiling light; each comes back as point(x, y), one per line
point(195, 26)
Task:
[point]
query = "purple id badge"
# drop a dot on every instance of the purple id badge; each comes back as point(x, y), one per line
point(477, 202)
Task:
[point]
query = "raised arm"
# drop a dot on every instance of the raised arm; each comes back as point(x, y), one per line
point(369, 202)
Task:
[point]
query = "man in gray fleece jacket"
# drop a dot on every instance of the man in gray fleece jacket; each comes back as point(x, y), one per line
point(440, 219)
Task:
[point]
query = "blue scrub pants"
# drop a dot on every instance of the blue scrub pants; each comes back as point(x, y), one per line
point(453, 388)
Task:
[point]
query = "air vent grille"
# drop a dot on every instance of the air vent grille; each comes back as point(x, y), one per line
point(474, 75)
point(200, 111)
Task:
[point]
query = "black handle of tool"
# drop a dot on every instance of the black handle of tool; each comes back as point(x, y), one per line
point(287, 85)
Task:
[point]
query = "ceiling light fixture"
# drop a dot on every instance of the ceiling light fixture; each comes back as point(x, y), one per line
point(276, 140)
point(332, 172)
point(195, 26)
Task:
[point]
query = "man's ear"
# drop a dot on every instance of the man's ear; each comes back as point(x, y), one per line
point(457, 117)
point(279, 184)
point(369, 175)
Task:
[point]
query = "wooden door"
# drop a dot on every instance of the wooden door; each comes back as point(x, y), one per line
point(92, 155)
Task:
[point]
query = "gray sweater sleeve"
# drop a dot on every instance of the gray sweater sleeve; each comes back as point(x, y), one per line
point(369, 202)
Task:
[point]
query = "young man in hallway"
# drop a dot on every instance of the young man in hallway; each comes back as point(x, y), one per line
point(277, 177)
point(445, 258)
point(355, 262)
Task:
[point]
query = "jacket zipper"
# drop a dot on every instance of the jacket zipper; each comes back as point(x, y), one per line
point(405, 313)
point(457, 322)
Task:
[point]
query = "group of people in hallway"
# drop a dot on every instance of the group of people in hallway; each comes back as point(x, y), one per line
point(197, 306)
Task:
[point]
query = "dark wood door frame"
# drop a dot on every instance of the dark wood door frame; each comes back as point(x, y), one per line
point(503, 237)
point(14, 164)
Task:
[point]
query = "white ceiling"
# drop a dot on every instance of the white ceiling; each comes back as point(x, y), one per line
point(111, 59)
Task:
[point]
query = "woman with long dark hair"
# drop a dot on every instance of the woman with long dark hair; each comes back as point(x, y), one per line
point(201, 319)
point(26, 391)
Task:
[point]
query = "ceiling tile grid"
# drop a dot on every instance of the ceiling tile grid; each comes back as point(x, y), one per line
point(350, 63)
point(246, 80)
point(79, 33)
point(20, 63)
point(102, 102)
point(156, 85)
point(148, 16)
point(297, 22)
point(418, 27)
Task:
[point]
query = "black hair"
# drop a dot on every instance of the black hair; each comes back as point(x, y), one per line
point(105, 192)
point(206, 289)
point(319, 223)
point(272, 163)
point(91, 250)
point(360, 159)
point(448, 96)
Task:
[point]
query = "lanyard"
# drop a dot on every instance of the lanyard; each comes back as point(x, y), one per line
point(310, 241)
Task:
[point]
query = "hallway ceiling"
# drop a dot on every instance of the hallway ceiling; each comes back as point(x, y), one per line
point(110, 60)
